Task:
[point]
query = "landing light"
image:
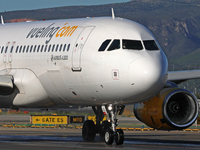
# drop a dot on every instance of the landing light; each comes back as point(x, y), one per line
point(110, 107)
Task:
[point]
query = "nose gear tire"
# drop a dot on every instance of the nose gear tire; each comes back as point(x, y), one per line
point(109, 137)
point(119, 137)
point(104, 126)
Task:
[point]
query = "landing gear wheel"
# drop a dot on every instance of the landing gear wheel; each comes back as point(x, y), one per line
point(119, 137)
point(104, 126)
point(88, 131)
point(109, 137)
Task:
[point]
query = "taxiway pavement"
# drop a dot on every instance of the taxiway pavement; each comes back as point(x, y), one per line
point(58, 138)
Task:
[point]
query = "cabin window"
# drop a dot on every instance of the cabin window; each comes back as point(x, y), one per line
point(38, 49)
point(6, 49)
point(24, 49)
point(115, 45)
point(132, 44)
point(34, 48)
point(49, 48)
point(42, 48)
point(2, 49)
point(60, 47)
point(64, 47)
point(17, 49)
point(150, 45)
point(27, 49)
point(104, 45)
point(45, 49)
point(20, 49)
point(11, 50)
point(31, 48)
point(68, 47)
point(53, 47)
point(57, 47)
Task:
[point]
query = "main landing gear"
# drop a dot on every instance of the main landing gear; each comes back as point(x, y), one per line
point(106, 129)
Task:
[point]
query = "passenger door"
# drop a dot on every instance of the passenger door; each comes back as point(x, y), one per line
point(78, 47)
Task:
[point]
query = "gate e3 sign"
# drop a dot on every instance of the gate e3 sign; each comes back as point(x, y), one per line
point(49, 119)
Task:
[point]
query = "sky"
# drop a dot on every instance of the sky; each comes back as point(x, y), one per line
point(12, 5)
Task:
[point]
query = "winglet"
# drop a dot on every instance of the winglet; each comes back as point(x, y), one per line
point(2, 22)
point(113, 14)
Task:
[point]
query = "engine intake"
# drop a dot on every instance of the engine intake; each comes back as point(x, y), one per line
point(172, 108)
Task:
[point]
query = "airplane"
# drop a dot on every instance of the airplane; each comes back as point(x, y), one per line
point(102, 62)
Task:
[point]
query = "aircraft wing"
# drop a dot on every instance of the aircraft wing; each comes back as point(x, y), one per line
point(181, 76)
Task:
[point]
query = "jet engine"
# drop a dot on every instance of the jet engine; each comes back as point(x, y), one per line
point(171, 109)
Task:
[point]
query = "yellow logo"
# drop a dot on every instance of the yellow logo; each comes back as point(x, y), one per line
point(66, 31)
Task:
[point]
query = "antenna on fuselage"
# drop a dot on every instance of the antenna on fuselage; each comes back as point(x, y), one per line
point(2, 22)
point(113, 14)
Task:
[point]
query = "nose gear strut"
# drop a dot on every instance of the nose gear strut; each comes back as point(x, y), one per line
point(111, 133)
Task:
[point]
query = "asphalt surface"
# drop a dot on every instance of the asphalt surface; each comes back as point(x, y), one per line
point(58, 138)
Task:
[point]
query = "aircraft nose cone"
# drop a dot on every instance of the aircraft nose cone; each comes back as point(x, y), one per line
point(148, 75)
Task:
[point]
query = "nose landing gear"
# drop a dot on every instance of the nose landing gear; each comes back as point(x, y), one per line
point(107, 129)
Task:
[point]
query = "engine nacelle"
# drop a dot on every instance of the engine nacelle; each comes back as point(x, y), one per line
point(171, 109)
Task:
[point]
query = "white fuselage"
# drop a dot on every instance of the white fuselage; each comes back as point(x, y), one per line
point(67, 67)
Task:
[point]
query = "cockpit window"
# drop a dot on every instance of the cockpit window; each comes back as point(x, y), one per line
point(115, 45)
point(150, 45)
point(132, 44)
point(104, 45)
